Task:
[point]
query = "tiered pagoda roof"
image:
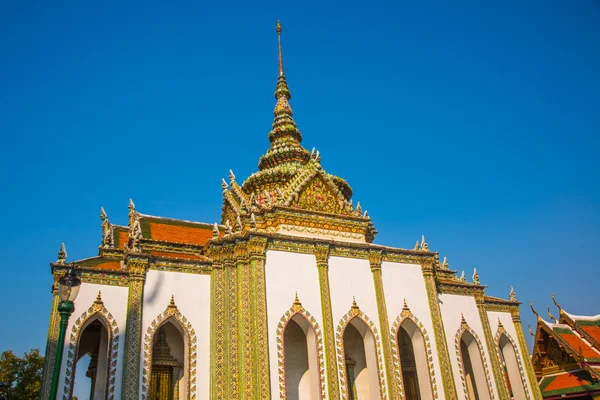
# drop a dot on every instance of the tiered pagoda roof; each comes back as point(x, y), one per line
point(566, 355)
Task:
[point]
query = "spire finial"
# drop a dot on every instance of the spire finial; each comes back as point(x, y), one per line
point(98, 298)
point(278, 29)
point(172, 302)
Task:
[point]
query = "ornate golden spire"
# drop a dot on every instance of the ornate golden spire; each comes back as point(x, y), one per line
point(278, 29)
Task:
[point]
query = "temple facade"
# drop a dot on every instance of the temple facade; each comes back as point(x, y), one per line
point(288, 297)
point(566, 355)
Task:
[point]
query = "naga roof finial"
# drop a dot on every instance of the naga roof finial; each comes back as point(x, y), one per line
point(62, 254)
point(512, 295)
point(475, 276)
point(445, 263)
point(551, 316)
point(424, 245)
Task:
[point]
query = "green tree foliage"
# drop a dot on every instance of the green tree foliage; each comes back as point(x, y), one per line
point(24, 374)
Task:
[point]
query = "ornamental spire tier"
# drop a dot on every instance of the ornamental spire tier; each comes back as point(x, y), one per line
point(291, 178)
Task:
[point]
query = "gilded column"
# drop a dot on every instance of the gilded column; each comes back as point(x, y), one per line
point(51, 343)
point(257, 249)
point(322, 256)
point(133, 333)
point(218, 328)
point(245, 322)
point(232, 368)
point(393, 379)
point(491, 346)
point(533, 384)
point(440, 334)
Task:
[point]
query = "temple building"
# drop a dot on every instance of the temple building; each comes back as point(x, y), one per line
point(288, 297)
point(566, 355)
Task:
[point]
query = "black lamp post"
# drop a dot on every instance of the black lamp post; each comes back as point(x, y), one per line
point(68, 289)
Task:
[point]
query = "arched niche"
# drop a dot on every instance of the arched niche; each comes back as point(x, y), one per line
point(359, 357)
point(300, 355)
point(169, 371)
point(414, 361)
point(94, 340)
point(511, 361)
point(472, 364)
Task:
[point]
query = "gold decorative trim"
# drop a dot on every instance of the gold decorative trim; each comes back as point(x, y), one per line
point(501, 331)
point(96, 311)
point(171, 313)
point(291, 246)
point(133, 332)
point(394, 391)
point(322, 257)
point(218, 328)
point(533, 383)
point(257, 250)
point(440, 334)
point(464, 327)
point(355, 312)
point(297, 308)
point(50, 357)
point(501, 386)
point(404, 315)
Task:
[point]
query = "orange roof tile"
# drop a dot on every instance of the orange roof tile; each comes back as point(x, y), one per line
point(123, 239)
point(180, 234)
point(576, 342)
point(565, 381)
point(593, 331)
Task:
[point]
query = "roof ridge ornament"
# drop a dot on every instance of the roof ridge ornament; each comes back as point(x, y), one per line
point(62, 255)
point(552, 316)
point(424, 245)
point(535, 312)
point(512, 296)
point(107, 230)
point(475, 276)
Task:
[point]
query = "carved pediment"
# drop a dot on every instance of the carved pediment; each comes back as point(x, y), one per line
point(319, 195)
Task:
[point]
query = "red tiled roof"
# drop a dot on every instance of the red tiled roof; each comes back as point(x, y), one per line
point(167, 232)
point(123, 238)
point(568, 382)
point(593, 331)
point(577, 343)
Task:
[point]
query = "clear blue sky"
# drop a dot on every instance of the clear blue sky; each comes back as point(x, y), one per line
point(473, 123)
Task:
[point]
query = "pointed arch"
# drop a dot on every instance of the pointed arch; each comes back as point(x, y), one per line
point(507, 352)
point(406, 316)
point(299, 315)
point(96, 312)
point(172, 315)
point(467, 338)
point(356, 314)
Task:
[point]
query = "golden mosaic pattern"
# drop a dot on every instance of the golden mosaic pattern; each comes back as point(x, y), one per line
point(171, 314)
point(95, 311)
point(407, 314)
point(287, 316)
point(218, 327)
point(316, 196)
point(355, 312)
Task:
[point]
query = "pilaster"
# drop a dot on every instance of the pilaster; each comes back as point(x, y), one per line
point(322, 256)
point(51, 343)
point(533, 383)
point(218, 329)
point(232, 342)
point(245, 322)
point(501, 387)
point(136, 267)
point(257, 251)
point(394, 380)
point(440, 334)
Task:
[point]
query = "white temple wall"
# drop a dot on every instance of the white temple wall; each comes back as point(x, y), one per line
point(405, 281)
point(353, 277)
point(510, 329)
point(115, 301)
point(451, 307)
point(285, 274)
point(192, 297)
